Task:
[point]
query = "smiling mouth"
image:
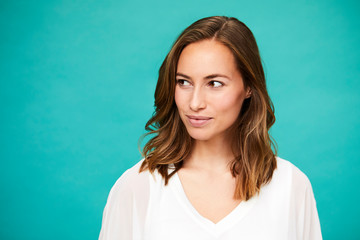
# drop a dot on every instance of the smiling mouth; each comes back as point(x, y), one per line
point(198, 121)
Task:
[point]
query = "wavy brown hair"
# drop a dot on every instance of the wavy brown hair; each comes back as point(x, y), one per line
point(253, 148)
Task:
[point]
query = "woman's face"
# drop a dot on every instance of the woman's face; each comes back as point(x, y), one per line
point(209, 91)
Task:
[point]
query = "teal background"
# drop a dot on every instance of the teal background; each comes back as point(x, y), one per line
point(77, 84)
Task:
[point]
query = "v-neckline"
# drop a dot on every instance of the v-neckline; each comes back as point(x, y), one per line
point(221, 226)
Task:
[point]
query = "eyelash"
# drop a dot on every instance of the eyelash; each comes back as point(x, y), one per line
point(213, 82)
point(181, 82)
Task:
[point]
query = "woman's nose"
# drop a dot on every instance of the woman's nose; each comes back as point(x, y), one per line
point(197, 101)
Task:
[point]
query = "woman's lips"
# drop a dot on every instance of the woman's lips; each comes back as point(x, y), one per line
point(198, 121)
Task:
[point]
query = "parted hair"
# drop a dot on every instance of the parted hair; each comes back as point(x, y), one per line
point(253, 148)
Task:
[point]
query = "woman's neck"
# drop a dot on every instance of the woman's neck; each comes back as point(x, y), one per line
point(212, 155)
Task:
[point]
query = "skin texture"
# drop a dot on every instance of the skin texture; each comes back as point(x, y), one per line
point(219, 98)
point(209, 95)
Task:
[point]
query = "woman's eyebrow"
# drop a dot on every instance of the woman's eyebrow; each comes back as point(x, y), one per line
point(183, 75)
point(215, 75)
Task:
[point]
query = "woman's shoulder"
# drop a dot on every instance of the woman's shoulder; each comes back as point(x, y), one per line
point(288, 183)
point(130, 191)
point(132, 181)
point(287, 173)
point(132, 173)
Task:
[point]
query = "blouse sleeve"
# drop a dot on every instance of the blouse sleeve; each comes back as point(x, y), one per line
point(125, 211)
point(309, 224)
point(118, 212)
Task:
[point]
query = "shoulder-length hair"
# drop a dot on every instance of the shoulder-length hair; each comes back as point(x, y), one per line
point(255, 160)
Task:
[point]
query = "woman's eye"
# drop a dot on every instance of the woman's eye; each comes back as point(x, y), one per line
point(183, 82)
point(215, 84)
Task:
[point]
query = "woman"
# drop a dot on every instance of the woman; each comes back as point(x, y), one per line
point(209, 171)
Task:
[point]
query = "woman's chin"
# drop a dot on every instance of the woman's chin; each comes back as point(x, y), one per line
point(200, 136)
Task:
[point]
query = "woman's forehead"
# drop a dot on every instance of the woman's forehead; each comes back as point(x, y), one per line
point(207, 57)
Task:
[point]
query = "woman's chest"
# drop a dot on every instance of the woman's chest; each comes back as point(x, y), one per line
point(172, 216)
point(211, 196)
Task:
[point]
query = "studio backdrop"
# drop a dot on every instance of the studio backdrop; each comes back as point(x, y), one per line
point(77, 81)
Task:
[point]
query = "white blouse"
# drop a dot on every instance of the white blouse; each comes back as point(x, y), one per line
point(139, 206)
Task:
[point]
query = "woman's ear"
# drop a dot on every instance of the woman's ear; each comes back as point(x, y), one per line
point(248, 93)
